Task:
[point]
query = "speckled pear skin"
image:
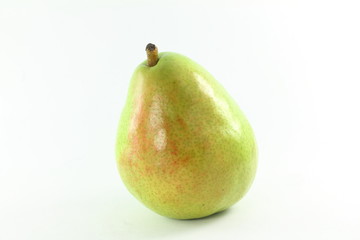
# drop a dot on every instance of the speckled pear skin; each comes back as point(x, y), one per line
point(184, 148)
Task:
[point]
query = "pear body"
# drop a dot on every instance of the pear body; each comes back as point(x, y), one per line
point(184, 148)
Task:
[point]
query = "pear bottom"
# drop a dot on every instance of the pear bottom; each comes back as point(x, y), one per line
point(181, 189)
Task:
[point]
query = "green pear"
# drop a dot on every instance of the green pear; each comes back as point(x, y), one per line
point(184, 148)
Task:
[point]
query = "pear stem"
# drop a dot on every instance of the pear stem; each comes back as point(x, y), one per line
point(152, 54)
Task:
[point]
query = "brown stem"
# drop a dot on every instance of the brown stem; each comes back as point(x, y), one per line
point(152, 54)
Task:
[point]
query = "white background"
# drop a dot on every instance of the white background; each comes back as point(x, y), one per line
point(293, 67)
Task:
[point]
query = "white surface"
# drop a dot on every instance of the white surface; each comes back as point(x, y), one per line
point(64, 71)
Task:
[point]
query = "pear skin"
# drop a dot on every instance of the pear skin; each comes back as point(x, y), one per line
point(184, 148)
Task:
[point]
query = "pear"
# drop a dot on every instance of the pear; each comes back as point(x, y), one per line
point(184, 148)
